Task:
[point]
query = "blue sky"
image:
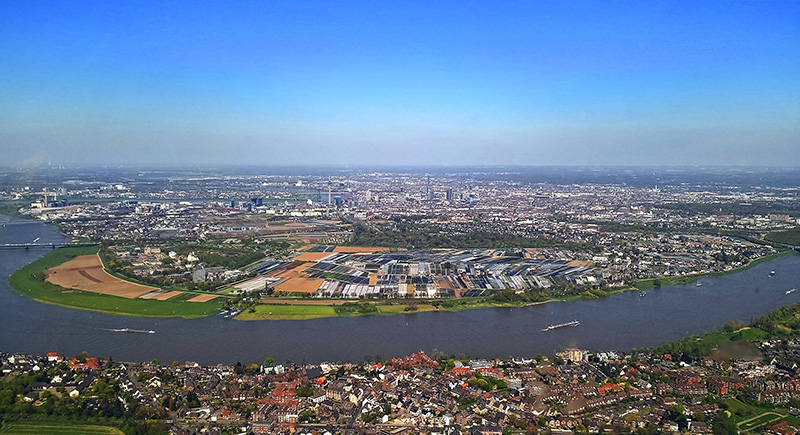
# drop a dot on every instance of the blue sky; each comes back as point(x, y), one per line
point(413, 83)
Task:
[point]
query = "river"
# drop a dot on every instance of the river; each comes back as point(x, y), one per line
point(619, 322)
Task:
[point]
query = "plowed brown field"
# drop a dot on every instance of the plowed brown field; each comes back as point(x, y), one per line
point(202, 298)
point(86, 273)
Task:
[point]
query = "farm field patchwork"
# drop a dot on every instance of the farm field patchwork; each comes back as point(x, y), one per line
point(299, 284)
point(163, 296)
point(312, 256)
point(86, 273)
point(30, 281)
point(202, 298)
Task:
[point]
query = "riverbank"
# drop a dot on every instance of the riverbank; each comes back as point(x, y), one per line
point(288, 310)
point(292, 309)
point(304, 309)
point(12, 210)
point(621, 322)
point(688, 279)
point(29, 281)
point(735, 341)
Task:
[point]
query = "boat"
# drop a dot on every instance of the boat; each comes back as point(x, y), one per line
point(233, 313)
point(791, 290)
point(698, 283)
point(562, 325)
point(771, 274)
point(138, 331)
point(642, 294)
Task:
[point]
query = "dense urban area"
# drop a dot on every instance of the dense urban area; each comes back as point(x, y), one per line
point(361, 242)
point(373, 235)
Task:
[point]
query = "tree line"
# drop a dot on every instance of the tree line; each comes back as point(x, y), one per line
point(414, 235)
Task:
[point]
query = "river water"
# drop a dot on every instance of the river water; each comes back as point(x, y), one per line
point(619, 322)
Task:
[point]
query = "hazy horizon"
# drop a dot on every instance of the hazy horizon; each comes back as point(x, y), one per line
point(370, 167)
point(661, 84)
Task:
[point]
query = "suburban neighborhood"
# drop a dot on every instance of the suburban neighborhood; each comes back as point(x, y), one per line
point(573, 391)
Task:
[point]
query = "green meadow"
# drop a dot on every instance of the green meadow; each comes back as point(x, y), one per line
point(288, 312)
point(56, 428)
point(29, 281)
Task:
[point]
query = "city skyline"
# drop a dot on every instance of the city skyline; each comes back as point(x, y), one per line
point(411, 84)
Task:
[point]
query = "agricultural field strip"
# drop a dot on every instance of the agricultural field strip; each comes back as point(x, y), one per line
point(30, 281)
point(86, 273)
point(202, 298)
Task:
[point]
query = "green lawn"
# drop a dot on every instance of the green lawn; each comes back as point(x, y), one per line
point(29, 281)
point(741, 412)
point(57, 428)
point(288, 312)
point(717, 339)
point(761, 420)
point(474, 303)
point(302, 312)
point(737, 408)
point(185, 296)
point(13, 210)
point(674, 280)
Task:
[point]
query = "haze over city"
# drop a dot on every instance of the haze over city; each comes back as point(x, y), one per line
point(414, 83)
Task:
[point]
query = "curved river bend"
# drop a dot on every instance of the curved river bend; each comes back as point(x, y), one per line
point(620, 322)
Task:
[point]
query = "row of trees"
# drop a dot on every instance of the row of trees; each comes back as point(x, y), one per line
point(788, 237)
point(412, 235)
